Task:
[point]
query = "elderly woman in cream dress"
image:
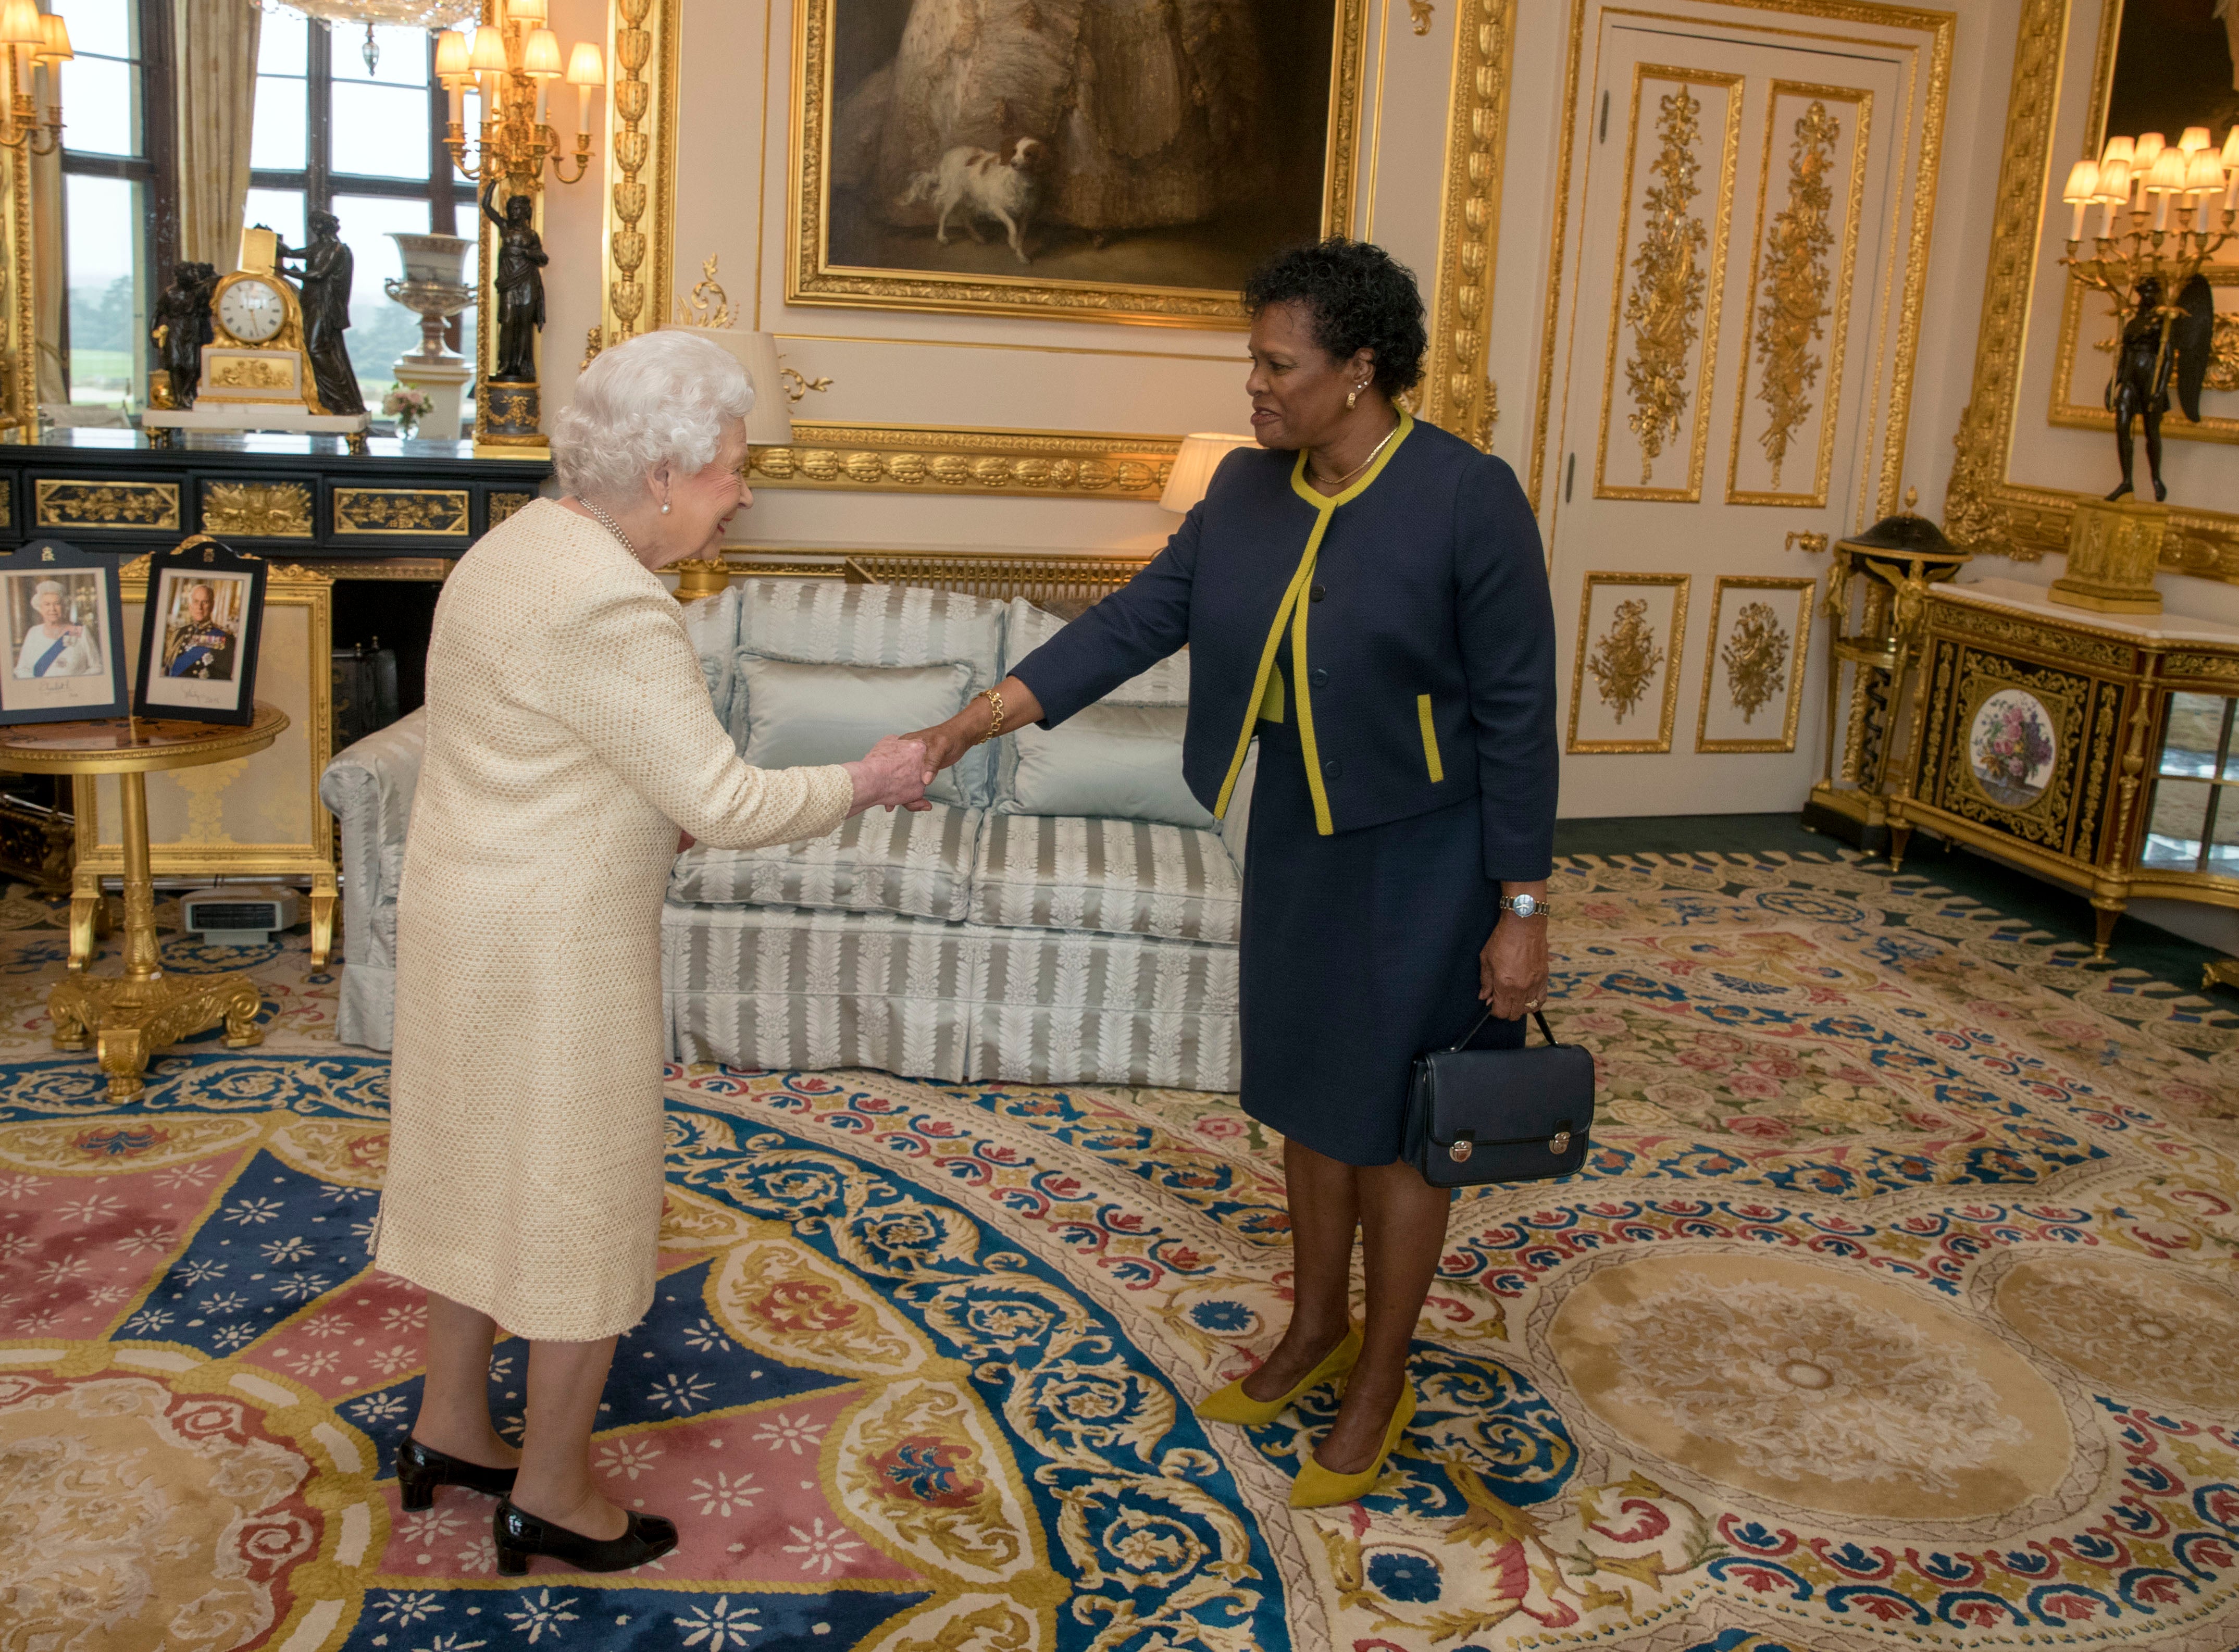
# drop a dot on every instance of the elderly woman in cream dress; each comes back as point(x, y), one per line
point(569, 739)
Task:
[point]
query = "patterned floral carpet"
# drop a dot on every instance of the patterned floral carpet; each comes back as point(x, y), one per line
point(1897, 1310)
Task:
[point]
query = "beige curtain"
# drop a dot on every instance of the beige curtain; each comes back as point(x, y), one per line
point(217, 101)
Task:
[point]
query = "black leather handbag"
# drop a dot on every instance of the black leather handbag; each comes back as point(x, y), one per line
point(1478, 1116)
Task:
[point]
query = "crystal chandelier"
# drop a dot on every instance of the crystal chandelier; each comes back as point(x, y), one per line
point(388, 14)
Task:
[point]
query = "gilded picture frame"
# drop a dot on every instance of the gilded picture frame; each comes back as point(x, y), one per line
point(816, 275)
point(1758, 662)
point(1636, 658)
point(1983, 507)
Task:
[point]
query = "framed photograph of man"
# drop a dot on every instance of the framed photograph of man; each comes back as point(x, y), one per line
point(1097, 160)
point(198, 645)
point(63, 620)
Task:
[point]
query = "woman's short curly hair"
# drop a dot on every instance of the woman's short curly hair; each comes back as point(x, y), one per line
point(665, 396)
point(1361, 297)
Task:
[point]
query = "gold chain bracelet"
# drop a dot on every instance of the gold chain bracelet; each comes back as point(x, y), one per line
point(994, 698)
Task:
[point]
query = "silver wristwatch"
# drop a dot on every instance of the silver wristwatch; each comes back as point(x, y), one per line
point(1523, 905)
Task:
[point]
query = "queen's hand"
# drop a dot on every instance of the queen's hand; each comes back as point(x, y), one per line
point(893, 772)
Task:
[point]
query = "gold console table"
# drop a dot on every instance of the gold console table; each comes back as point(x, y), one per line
point(2097, 750)
point(131, 1017)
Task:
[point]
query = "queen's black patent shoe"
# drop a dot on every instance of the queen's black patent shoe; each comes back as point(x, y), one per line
point(519, 1536)
point(421, 1468)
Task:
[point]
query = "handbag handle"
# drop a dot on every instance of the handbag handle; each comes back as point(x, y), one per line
point(1545, 1031)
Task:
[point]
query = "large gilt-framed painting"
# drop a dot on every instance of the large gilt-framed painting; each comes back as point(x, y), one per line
point(1099, 160)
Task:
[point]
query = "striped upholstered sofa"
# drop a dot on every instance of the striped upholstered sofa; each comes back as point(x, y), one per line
point(979, 940)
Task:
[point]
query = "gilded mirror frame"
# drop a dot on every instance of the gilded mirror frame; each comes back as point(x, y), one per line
point(1983, 508)
point(638, 256)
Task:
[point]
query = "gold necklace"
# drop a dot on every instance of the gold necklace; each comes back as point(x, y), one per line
point(1326, 482)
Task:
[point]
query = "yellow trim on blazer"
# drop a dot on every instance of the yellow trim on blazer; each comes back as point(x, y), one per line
point(1294, 612)
point(1430, 739)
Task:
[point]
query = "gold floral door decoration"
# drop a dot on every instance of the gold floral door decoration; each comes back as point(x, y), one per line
point(1674, 251)
point(1625, 663)
point(1760, 639)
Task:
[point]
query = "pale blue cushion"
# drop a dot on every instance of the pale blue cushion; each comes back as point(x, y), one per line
point(798, 713)
point(1164, 683)
point(1118, 762)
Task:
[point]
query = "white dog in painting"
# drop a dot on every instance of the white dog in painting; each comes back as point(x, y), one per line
point(986, 184)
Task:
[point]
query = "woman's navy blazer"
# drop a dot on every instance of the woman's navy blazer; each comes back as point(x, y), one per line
point(1405, 624)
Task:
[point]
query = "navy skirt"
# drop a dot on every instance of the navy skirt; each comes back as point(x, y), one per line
point(1360, 953)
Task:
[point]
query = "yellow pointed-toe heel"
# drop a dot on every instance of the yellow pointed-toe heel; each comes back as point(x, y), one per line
point(1232, 1405)
point(1318, 1488)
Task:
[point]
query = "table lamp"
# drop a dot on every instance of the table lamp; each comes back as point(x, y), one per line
point(1200, 457)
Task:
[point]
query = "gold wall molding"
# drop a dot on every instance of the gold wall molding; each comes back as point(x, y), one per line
point(19, 372)
point(1761, 652)
point(810, 279)
point(64, 503)
point(422, 512)
point(1942, 30)
point(1665, 307)
point(1798, 282)
point(641, 213)
point(1983, 508)
point(932, 459)
point(1626, 659)
point(258, 509)
point(1457, 394)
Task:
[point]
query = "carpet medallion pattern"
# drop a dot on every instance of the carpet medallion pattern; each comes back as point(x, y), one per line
point(1897, 1309)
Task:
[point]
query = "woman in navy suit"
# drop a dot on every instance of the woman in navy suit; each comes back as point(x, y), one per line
point(1365, 596)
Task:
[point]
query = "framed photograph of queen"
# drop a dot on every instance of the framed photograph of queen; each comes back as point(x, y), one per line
point(61, 625)
point(198, 642)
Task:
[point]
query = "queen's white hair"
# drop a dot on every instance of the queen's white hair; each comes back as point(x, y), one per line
point(661, 397)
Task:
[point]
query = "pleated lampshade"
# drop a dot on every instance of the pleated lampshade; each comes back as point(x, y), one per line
point(1200, 457)
point(770, 424)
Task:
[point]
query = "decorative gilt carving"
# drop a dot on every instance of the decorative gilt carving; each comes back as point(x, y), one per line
point(1665, 305)
point(253, 373)
point(867, 456)
point(2047, 819)
point(258, 509)
point(708, 305)
point(1419, 13)
point(1457, 394)
point(2088, 648)
point(108, 504)
point(2223, 358)
point(2204, 667)
point(644, 134)
point(1796, 278)
point(423, 512)
point(1625, 657)
point(1756, 658)
point(799, 384)
point(503, 505)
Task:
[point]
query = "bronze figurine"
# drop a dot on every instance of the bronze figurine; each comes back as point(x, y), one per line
point(520, 286)
point(325, 285)
point(183, 327)
point(2160, 342)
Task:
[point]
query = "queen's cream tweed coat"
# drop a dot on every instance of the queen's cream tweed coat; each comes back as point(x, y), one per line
point(570, 735)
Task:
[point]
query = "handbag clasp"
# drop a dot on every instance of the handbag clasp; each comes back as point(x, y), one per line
point(1559, 1143)
point(1460, 1152)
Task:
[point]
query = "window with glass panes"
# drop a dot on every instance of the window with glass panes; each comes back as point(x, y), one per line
point(362, 139)
point(2193, 822)
point(119, 220)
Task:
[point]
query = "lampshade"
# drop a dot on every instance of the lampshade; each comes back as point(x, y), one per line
point(57, 47)
point(2195, 137)
point(1200, 457)
point(585, 66)
point(19, 24)
point(2204, 170)
point(2150, 144)
point(2082, 182)
point(2231, 147)
point(488, 55)
point(540, 55)
point(2120, 149)
point(525, 11)
point(451, 56)
point(2167, 174)
point(770, 422)
point(2114, 181)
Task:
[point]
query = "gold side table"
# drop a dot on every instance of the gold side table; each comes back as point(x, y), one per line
point(130, 1017)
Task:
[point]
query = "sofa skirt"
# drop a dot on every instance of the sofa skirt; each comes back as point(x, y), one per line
point(786, 989)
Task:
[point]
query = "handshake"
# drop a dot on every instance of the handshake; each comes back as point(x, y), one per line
point(896, 771)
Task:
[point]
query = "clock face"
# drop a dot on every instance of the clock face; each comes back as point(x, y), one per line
point(252, 311)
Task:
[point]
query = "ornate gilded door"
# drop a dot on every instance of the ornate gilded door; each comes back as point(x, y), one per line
point(1721, 388)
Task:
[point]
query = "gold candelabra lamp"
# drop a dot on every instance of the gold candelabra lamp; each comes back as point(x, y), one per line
point(514, 63)
point(34, 40)
point(2159, 215)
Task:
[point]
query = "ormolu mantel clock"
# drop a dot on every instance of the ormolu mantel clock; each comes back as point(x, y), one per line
point(257, 356)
